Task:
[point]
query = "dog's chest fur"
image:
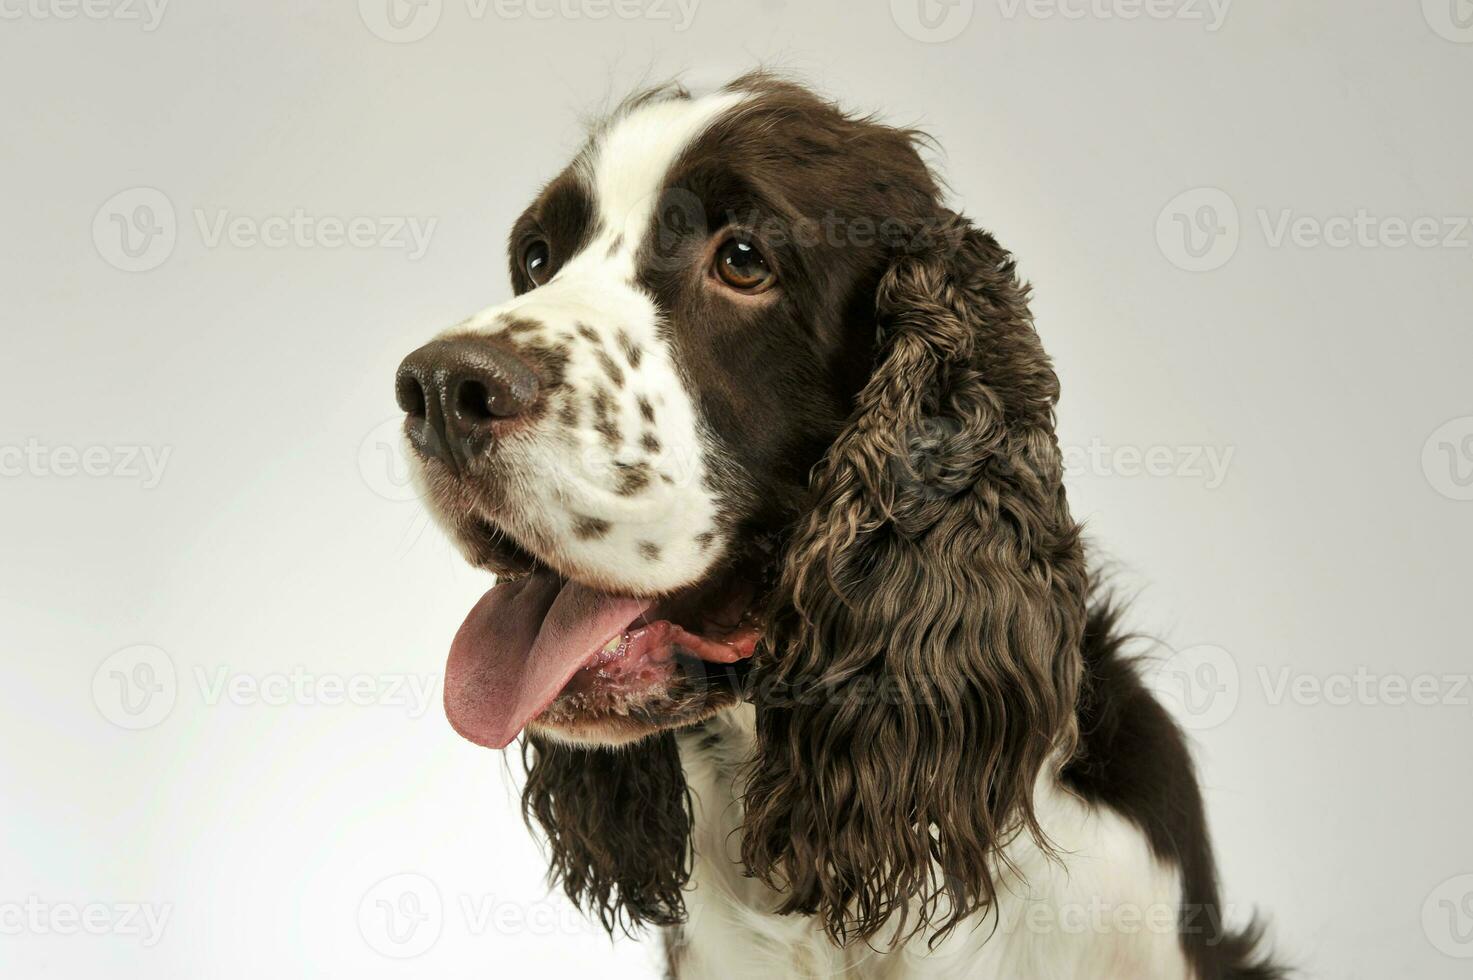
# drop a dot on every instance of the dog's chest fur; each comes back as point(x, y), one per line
point(1105, 909)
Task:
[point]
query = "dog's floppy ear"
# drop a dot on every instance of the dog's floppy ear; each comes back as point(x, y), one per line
point(922, 659)
point(617, 822)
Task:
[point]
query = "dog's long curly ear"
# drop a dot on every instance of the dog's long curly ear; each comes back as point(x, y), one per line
point(617, 822)
point(922, 661)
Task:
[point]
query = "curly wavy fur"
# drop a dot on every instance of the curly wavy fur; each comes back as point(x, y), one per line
point(962, 588)
point(938, 561)
point(925, 658)
point(618, 826)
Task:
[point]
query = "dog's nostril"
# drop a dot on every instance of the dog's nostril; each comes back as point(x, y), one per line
point(474, 403)
point(479, 400)
point(410, 395)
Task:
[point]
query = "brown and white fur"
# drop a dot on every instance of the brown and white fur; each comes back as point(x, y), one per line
point(938, 763)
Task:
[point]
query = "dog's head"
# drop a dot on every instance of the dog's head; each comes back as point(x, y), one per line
point(765, 420)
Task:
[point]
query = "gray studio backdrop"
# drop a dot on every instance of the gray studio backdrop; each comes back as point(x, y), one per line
point(223, 616)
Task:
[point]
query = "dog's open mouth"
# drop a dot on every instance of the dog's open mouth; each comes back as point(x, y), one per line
point(543, 638)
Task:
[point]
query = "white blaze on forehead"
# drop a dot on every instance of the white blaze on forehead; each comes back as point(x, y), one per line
point(612, 481)
point(631, 161)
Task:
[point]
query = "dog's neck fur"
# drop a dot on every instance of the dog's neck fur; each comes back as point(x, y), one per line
point(1104, 869)
point(731, 930)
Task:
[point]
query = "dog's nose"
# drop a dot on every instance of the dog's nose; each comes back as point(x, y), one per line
point(455, 391)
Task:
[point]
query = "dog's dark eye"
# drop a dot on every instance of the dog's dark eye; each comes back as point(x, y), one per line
point(537, 260)
point(742, 267)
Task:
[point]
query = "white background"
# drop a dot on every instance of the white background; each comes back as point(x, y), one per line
point(277, 538)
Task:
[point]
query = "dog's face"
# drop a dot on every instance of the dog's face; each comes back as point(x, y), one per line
point(694, 314)
point(760, 391)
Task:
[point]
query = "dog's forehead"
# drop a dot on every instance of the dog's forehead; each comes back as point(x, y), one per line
point(629, 161)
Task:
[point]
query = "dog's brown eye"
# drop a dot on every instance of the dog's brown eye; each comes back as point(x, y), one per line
point(537, 260)
point(742, 267)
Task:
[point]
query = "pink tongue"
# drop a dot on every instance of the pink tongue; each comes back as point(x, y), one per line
point(519, 647)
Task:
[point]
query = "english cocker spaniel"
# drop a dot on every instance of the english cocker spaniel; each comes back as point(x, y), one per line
point(791, 611)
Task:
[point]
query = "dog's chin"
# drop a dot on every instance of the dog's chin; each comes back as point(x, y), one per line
point(604, 722)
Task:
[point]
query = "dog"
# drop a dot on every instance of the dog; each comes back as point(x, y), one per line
point(792, 617)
